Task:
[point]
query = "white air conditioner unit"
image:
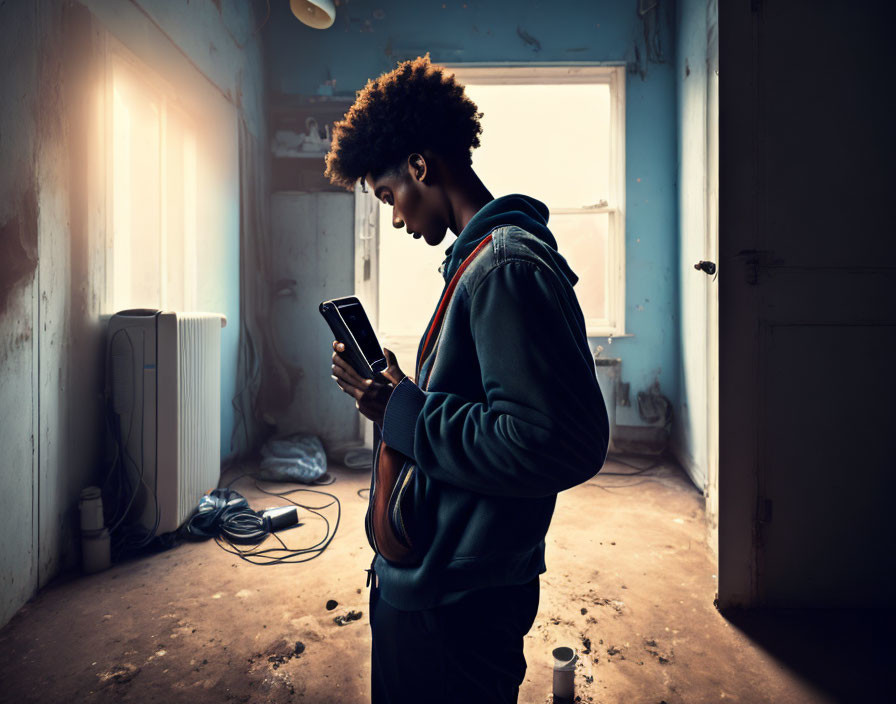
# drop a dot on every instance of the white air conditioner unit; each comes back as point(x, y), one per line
point(165, 387)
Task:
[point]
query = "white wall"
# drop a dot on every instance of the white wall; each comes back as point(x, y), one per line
point(691, 44)
point(313, 259)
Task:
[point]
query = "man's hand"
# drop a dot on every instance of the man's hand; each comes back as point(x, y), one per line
point(371, 395)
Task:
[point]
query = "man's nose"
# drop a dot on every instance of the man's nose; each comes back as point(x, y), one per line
point(397, 222)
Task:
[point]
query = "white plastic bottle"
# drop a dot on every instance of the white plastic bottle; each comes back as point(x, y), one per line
point(95, 550)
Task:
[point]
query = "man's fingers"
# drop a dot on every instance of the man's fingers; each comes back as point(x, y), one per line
point(391, 359)
point(340, 375)
point(340, 361)
point(352, 391)
point(344, 379)
point(350, 381)
point(350, 374)
point(392, 372)
point(341, 384)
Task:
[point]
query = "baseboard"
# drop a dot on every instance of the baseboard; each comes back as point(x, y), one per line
point(684, 458)
point(639, 439)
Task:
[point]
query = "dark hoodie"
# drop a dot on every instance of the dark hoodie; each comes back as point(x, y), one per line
point(512, 413)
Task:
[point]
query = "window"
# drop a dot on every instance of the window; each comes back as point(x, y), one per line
point(152, 191)
point(557, 134)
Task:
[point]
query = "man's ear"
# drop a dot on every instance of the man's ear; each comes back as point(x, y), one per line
point(417, 166)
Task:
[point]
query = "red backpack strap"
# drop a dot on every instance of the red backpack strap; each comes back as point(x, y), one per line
point(436, 325)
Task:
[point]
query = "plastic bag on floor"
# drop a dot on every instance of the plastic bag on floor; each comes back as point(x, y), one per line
point(352, 455)
point(296, 458)
point(360, 458)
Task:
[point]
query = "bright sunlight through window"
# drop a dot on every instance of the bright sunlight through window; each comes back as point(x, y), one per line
point(152, 190)
point(557, 135)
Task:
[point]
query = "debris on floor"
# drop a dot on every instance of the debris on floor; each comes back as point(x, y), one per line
point(280, 652)
point(121, 674)
point(652, 648)
point(343, 619)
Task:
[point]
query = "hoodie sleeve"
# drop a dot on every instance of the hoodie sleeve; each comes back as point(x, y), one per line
point(543, 427)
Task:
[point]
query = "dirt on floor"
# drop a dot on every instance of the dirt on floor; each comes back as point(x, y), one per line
point(630, 584)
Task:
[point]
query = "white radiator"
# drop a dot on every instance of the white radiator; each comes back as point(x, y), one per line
point(167, 390)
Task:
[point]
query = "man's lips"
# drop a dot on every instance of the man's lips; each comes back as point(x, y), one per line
point(416, 235)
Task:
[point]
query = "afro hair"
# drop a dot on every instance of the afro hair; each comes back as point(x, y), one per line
point(415, 106)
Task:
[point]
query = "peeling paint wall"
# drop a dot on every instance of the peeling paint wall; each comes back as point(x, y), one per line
point(19, 71)
point(52, 253)
point(370, 36)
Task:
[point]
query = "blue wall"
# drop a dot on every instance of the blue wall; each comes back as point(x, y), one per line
point(370, 37)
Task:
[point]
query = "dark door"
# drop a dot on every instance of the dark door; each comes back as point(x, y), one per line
point(807, 315)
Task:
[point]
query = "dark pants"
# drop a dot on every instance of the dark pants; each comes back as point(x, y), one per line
point(470, 651)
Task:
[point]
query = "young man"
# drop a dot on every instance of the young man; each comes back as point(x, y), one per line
point(505, 410)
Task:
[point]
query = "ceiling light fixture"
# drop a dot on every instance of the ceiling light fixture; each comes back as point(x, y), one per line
point(319, 14)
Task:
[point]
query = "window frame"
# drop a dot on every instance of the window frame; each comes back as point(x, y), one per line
point(614, 77)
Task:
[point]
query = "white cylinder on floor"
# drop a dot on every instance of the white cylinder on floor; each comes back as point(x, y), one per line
point(564, 674)
point(91, 506)
point(95, 551)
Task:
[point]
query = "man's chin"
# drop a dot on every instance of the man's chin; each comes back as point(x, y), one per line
point(434, 240)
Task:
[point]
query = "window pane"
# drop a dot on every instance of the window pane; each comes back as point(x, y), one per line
point(191, 195)
point(135, 193)
point(173, 213)
point(548, 141)
point(582, 238)
point(410, 282)
point(179, 211)
point(551, 142)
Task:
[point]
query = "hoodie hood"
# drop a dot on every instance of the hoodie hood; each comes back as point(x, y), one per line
point(526, 213)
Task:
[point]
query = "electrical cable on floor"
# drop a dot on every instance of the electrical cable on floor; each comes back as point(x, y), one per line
point(607, 487)
point(638, 470)
point(243, 529)
point(326, 476)
point(224, 511)
point(236, 479)
point(324, 480)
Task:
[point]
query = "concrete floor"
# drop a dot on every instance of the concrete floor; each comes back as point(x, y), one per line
point(630, 583)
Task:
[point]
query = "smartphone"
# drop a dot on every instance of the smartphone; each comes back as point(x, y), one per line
point(351, 326)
